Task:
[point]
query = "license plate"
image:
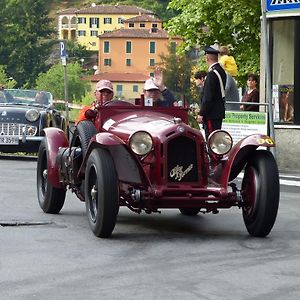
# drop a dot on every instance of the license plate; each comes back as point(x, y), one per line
point(9, 140)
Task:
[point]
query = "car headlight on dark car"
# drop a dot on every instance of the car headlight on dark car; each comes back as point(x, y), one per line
point(141, 143)
point(220, 142)
point(32, 115)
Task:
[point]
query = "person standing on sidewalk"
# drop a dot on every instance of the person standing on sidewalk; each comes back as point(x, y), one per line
point(251, 94)
point(212, 111)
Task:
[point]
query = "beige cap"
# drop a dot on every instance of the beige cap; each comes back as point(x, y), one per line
point(150, 85)
point(104, 85)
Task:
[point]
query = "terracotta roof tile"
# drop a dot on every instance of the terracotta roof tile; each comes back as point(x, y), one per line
point(135, 33)
point(113, 9)
point(143, 18)
point(120, 77)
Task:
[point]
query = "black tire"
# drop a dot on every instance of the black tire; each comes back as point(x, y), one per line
point(51, 199)
point(83, 133)
point(101, 193)
point(260, 192)
point(189, 211)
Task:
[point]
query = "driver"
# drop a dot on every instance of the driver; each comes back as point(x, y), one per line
point(104, 92)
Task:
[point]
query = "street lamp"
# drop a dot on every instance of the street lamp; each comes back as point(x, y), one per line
point(82, 61)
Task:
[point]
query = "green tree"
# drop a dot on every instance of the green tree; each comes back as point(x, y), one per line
point(53, 81)
point(5, 80)
point(25, 40)
point(177, 73)
point(235, 23)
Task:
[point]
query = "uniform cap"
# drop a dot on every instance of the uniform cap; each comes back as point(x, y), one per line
point(104, 85)
point(150, 85)
point(211, 50)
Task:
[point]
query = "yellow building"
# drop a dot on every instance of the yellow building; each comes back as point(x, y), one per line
point(84, 25)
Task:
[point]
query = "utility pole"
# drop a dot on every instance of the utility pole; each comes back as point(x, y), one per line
point(63, 56)
point(268, 73)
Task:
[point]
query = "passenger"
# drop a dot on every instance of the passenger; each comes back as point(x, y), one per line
point(154, 88)
point(5, 96)
point(41, 98)
point(104, 92)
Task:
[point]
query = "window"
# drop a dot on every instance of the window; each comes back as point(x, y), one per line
point(94, 32)
point(107, 61)
point(119, 88)
point(94, 22)
point(154, 25)
point(81, 20)
point(135, 88)
point(128, 62)
point(142, 25)
point(120, 21)
point(152, 47)
point(131, 25)
point(81, 33)
point(283, 70)
point(151, 74)
point(152, 62)
point(106, 47)
point(173, 47)
point(107, 21)
point(128, 47)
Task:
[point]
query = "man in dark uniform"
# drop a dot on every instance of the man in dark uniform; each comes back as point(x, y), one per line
point(212, 110)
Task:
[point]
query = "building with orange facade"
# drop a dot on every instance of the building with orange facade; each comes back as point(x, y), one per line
point(134, 51)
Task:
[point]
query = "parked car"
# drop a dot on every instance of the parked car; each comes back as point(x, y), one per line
point(149, 159)
point(23, 116)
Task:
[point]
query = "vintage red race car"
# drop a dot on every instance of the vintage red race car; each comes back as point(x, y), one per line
point(148, 159)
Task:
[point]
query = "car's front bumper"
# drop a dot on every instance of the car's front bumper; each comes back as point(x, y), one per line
point(28, 144)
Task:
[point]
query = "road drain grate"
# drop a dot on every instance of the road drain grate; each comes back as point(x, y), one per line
point(23, 223)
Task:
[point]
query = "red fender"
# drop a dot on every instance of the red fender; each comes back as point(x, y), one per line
point(127, 165)
point(55, 138)
point(235, 160)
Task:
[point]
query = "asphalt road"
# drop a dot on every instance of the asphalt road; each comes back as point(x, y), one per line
point(158, 256)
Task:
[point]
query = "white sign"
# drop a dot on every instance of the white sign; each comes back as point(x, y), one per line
point(242, 123)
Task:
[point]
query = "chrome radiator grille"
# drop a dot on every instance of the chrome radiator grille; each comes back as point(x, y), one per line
point(17, 129)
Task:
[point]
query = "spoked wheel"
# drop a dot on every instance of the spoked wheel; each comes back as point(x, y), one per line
point(260, 193)
point(189, 211)
point(84, 131)
point(51, 199)
point(101, 193)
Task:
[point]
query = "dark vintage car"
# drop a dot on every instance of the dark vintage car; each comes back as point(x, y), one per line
point(149, 159)
point(23, 116)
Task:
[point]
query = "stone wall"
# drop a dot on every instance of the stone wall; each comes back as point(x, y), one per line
point(288, 147)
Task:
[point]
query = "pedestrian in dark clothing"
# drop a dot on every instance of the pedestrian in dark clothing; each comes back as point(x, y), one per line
point(212, 110)
point(199, 81)
point(251, 94)
point(231, 94)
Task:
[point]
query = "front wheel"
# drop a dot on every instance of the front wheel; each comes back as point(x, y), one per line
point(260, 193)
point(51, 199)
point(101, 193)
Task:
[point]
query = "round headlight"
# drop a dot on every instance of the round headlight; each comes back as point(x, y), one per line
point(220, 142)
point(32, 115)
point(141, 143)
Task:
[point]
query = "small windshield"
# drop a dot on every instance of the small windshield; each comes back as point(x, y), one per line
point(26, 97)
